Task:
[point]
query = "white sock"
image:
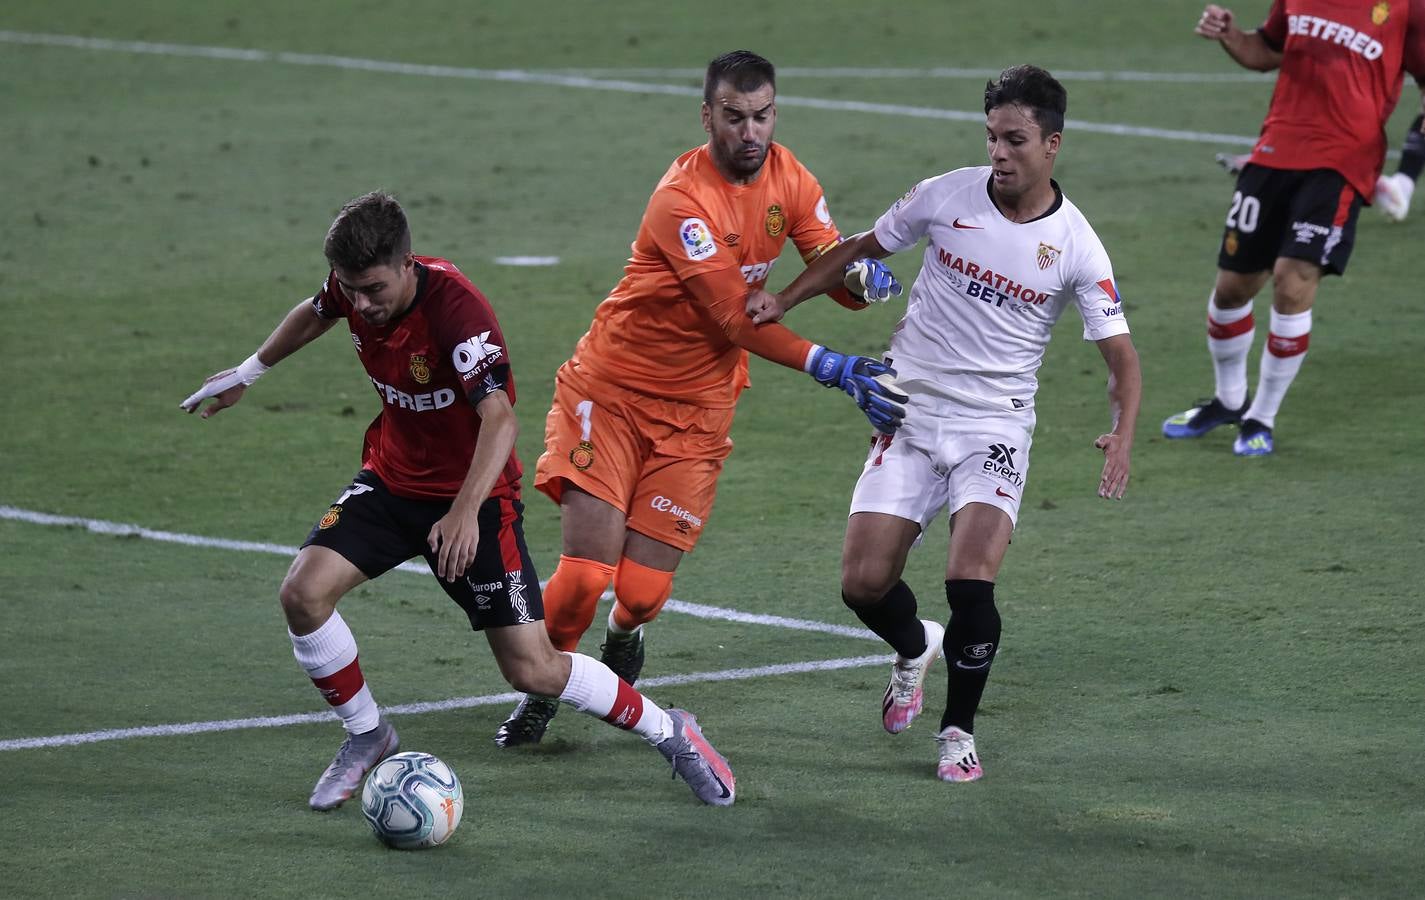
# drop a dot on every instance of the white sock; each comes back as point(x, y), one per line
point(1229, 340)
point(329, 657)
point(1286, 350)
point(616, 628)
point(593, 688)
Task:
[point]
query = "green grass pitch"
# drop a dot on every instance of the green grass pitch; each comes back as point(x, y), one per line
point(1212, 688)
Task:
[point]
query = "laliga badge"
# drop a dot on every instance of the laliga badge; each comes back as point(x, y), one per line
point(582, 456)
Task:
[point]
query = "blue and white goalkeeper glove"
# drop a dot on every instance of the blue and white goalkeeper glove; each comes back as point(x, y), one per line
point(871, 280)
point(869, 382)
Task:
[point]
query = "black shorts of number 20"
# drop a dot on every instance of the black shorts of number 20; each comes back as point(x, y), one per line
point(376, 531)
point(1309, 215)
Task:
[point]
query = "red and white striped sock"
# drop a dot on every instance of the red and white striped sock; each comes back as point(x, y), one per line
point(329, 656)
point(1286, 351)
point(593, 688)
point(1229, 340)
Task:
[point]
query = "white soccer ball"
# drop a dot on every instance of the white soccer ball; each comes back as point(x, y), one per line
point(412, 800)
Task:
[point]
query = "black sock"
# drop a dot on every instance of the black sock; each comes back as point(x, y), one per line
point(1412, 155)
point(893, 619)
point(971, 641)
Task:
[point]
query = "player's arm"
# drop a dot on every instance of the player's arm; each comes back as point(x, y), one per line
point(1125, 391)
point(300, 327)
point(853, 265)
point(456, 535)
point(1250, 49)
point(869, 382)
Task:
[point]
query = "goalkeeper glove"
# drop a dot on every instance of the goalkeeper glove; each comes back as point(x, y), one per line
point(871, 280)
point(869, 382)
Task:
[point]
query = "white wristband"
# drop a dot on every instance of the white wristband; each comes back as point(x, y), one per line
point(251, 369)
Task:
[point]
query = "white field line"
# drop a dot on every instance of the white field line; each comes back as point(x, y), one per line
point(410, 709)
point(870, 72)
point(120, 529)
point(527, 76)
point(699, 610)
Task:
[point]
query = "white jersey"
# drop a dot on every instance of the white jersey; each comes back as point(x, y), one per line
point(990, 290)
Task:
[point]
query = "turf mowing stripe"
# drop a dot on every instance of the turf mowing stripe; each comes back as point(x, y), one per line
point(575, 81)
point(121, 529)
point(411, 709)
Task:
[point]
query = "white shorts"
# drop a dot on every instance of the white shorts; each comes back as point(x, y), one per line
point(944, 457)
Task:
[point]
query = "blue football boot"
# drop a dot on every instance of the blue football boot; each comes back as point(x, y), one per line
point(1202, 418)
point(1255, 439)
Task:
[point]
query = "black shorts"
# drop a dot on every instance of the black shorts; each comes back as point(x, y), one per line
point(376, 531)
point(1309, 214)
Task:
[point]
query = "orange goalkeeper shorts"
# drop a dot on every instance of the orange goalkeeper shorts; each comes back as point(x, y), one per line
point(656, 460)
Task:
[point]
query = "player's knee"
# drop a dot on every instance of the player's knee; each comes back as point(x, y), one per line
point(571, 599)
point(305, 606)
point(641, 591)
point(865, 581)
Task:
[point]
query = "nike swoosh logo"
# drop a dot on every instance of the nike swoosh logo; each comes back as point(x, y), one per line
point(1000, 492)
point(958, 224)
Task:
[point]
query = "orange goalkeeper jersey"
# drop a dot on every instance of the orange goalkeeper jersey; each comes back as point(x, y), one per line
point(675, 327)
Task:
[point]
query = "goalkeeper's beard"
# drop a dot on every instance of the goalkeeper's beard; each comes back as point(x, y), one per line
point(746, 166)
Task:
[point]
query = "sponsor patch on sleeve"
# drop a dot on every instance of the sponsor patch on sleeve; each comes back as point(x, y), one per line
point(823, 215)
point(474, 356)
point(697, 239)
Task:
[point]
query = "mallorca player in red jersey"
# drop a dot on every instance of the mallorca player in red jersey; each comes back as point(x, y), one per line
point(439, 478)
point(1293, 215)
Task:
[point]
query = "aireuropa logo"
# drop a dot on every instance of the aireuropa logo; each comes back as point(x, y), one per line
point(663, 504)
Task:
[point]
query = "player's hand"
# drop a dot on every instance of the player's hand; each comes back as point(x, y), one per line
point(869, 382)
point(226, 387)
point(764, 307)
point(453, 540)
point(1114, 480)
point(1215, 22)
point(871, 280)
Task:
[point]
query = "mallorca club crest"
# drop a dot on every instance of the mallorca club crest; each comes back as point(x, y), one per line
point(420, 369)
point(1229, 243)
point(582, 456)
point(1047, 255)
point(1380, 13)
point(776, 220)
point(330, 518)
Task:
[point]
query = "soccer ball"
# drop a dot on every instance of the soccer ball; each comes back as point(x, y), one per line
point(412, 800)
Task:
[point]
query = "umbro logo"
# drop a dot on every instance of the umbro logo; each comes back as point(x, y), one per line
point(966, 226)
point(1002, 454)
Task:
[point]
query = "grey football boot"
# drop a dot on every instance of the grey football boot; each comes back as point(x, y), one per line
point(358, 754)
point(696, 762)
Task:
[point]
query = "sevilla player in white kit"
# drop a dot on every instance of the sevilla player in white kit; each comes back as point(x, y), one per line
point(1007, 254)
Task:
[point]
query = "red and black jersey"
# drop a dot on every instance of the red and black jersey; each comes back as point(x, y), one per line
point(1341, 75)
point(430, 367)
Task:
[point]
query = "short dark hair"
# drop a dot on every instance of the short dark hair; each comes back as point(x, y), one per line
point(744, 70)
point(1035, 89)
point(369, 231)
